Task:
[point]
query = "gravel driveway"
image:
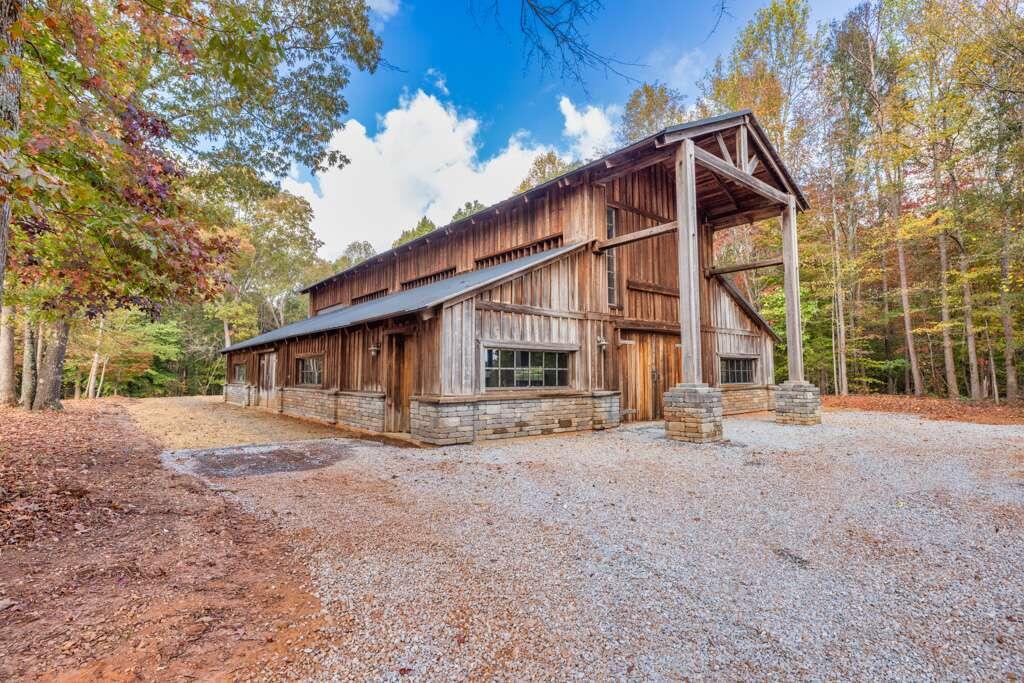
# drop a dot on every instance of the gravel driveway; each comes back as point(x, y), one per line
point(876, 545)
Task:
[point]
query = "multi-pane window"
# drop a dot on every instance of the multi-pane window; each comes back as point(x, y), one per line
point(310, 370)
point(239, 372)
point(609, 258)
point(512, 368)
point(737, 371)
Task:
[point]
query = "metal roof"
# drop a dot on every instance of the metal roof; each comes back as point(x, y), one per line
point(407, 301)
point(596, 163)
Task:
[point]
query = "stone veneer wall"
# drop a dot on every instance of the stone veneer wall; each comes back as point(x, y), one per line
point(746, 399)
point(238, 394)
point(444, 422)
point(362, 410)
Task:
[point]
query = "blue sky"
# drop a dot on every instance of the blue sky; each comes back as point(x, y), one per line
point(461, 80)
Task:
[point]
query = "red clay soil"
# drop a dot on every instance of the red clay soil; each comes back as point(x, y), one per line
point(982, 412)
point(113, 568)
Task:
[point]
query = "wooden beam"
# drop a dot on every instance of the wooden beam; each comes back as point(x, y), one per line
point(689, 262)
point(633, 165)
point(767, 263)
point(640, 212)
point(752, 164)
point(716, 165)
point(527, 310)
point(635, 236)
point(652, 287)
point(649, 325)
point(791, 284)
point(725, 150)
point(741, 143)
point(732, 219)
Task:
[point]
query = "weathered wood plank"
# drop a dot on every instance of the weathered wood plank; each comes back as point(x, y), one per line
point(635, 236)
point(736, 268)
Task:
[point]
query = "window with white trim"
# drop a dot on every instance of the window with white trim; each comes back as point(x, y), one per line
point(611, 227)
point(737, 371)
point(517, 369)
point(310, 370)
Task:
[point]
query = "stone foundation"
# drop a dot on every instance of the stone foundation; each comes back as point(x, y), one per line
point(693, 413)
point(736, 400)
point(238, 394)
point(797, 403)
point(444, 421)
point(361, 409)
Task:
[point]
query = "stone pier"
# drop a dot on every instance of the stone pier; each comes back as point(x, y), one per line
point(797, 403)
point(693, 412)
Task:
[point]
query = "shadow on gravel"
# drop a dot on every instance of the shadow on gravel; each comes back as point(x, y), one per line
point(244, 461)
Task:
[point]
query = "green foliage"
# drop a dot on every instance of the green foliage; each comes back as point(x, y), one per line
point(467, 210)
point(650, 108)
point(421, 228)
point(545, 167)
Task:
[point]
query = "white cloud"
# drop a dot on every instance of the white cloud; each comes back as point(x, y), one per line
point(438, 79)
point(385, 8)
point(422, 161)
point(679, 71)
point(590, 129)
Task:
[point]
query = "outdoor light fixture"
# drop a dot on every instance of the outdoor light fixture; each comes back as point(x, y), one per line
point(374, 349)
point(602, 343)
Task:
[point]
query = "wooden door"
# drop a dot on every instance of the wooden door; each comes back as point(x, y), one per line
point(266, 388)
point(649, 365)
point(398, 385)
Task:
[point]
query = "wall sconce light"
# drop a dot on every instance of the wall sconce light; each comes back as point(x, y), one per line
point(374, 349)
point(602, 343)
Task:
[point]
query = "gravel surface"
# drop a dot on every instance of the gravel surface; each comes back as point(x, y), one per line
point(875, 546)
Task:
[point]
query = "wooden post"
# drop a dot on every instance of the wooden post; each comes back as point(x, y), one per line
point(791, 268)
point(689, 267)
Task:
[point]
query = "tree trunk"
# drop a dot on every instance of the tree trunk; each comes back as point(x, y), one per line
point(103, 374)
point(51, 370)
point(8, 397)
point(90, 389)
point(842, 385)
point(952, 386)
point(227, 334)
point(1006, 312)
point(908, 329)
point(890, 381)
point(10, 111)
point(969, 333)
point(78, 383)
point(28, 366)
point(992, 368)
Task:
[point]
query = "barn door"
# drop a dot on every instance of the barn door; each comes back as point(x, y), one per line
point(398, 387)
point(649, 367)
point(267, 385)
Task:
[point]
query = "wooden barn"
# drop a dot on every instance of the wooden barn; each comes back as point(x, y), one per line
point(575, 305)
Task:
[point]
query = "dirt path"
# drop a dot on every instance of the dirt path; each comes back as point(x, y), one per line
point(113, 568)
point(209, 422)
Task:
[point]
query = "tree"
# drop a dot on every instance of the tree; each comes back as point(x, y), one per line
point(467, 210)
point(421, 228)
point(545, 167)
point(650, 108)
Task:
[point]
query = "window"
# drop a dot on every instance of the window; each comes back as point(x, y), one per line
point(239, 372)
point(512, 368)
point(737, 371)
point(609, 259)
point(311, 369)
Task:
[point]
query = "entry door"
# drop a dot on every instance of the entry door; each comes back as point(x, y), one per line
point(267, 386)
point(398, 387)
point(649, 367)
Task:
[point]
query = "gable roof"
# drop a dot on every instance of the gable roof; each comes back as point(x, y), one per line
point(406, 301)
point(688, 129)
